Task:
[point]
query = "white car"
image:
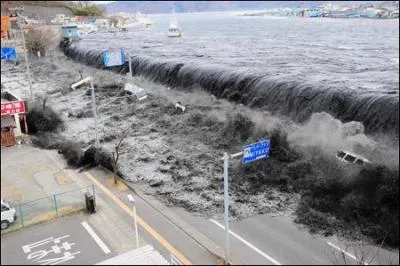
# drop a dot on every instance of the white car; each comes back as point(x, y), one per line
point(8, 215)
point(136, 92)
point(351, 158)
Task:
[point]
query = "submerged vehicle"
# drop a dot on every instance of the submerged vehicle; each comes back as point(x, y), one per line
point(351, 158)
point(136, 92)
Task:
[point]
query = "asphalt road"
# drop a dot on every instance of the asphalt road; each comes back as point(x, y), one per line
point(153, 227)
point(261, 239)
point(62, 241)
point(265, 240)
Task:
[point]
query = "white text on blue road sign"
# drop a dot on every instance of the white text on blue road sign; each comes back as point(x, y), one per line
point(256, 151)
point(113, 58)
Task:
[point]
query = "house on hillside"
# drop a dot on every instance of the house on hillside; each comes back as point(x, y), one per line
point(86, 19)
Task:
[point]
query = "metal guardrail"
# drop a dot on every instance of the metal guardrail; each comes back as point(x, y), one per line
point(48, 208)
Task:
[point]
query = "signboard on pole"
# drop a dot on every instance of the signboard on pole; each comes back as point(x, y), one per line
point(8, 53)
point(10, 108)
point(256, 151)
point(113, 58)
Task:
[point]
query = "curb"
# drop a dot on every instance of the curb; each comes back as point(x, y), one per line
point(184, 226)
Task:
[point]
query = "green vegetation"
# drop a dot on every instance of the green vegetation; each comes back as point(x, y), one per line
point(83, 8)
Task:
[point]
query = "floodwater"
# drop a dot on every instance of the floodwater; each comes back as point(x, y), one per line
point(294, 66)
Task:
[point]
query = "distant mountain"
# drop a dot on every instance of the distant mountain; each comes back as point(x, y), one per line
point(200, 6)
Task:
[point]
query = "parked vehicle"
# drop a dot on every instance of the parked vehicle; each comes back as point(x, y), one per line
point(8, 215)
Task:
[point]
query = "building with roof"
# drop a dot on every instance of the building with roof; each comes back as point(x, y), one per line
point(13, 119)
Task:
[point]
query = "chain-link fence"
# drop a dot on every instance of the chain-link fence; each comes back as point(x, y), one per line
point(47, 208)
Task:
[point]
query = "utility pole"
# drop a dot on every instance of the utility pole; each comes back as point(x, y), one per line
point(226, 158)
point(95, 112)
point(132, 200)
point(18, 11)
point(226, 206)
point(130, 65)
point(94, 107)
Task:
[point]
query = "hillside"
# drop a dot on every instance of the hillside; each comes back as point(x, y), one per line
point(206, 6)
point(197, 6)
point(38, 8)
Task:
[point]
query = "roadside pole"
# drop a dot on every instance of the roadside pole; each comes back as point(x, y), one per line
point(22, 28)
point(226, 201)
point(130, 65)
point(226, 206)
point(251, 153)
point(28, 71)
point(136, 228)
point(94, 113)
point(133, 201)
point(94, 107)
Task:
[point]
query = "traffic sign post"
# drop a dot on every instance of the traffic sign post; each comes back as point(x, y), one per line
point(130, 65)
point(251, 153)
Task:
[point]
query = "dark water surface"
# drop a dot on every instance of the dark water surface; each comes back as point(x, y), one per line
point(293, 66)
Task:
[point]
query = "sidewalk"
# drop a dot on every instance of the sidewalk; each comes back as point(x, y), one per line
point(154, 227)
point(29, 173)
point(113, 225)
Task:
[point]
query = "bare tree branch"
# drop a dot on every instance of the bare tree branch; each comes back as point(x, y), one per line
point(118, 150)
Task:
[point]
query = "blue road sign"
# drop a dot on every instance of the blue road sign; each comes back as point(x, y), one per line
point(256, 151)
point(8, 53)
point(113, 58)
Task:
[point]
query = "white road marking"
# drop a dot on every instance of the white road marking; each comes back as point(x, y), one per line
point(248, 244)
point(95, 237)
point(345, 252)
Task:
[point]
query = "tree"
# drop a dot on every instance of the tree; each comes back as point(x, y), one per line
point(118, 150)
point(83, 8)
point(43, 98)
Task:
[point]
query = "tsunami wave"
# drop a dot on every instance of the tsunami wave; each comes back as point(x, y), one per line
point(379, 113)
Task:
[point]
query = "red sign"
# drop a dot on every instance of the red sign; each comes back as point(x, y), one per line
point(10, 108)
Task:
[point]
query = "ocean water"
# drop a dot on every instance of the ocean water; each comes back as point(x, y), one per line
point(295, 66)
point(356, 54)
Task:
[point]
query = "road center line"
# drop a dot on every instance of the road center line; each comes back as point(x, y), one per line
point(345, 252)
point(248, 244)
point(95, 237)
point(142, 223)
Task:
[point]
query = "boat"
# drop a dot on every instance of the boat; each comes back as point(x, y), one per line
point(148, 22)
point(174, 30)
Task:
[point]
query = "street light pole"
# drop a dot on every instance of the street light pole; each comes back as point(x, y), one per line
point(226, 158)
point(94, 107)
point(130, 65)
point(226, 206)
point(95, 113)
point(131, 199)
point(19, 10)
point(28, 71)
